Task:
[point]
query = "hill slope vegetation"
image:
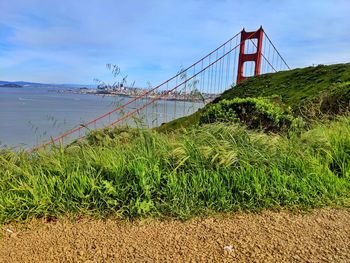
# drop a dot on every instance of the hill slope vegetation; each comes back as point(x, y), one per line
point(310, 92)
point(213, 166)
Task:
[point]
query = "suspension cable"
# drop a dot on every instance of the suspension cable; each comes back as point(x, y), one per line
point(276, 50)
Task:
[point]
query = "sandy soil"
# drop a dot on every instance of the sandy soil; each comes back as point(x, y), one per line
point(320, 236)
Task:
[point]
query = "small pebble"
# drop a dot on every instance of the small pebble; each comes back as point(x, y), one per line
point(9, 231)
point(228, 248)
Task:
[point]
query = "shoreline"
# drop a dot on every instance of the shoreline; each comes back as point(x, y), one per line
point(135, 96)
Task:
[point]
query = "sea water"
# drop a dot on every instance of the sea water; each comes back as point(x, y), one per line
point(32, 115)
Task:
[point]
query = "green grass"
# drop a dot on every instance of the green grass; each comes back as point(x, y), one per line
point(213, 168)
point(294, 86)
point(326, 86)
point(207, 168)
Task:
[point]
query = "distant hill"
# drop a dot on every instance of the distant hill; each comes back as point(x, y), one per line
point(22, 83)
point(36, 84)
point(10, 85)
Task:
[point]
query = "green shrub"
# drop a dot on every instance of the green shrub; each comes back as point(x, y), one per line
point(267, 114)
point(328, 104)
point(109, 136)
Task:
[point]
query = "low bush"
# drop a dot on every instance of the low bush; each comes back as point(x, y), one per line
point(267, 114)
point(328, 104)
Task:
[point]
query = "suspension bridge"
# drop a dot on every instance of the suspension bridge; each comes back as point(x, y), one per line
point(244, 55)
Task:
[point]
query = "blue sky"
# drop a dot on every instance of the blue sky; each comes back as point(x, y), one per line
point(71, 41)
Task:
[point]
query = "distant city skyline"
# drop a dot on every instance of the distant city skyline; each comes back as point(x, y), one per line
point(72, 41)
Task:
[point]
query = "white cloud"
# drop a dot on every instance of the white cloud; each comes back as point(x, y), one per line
point(83, 36)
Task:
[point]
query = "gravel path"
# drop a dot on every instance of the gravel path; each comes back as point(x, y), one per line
point(320, 236)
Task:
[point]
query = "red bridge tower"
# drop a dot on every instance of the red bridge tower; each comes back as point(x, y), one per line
point(255, 57)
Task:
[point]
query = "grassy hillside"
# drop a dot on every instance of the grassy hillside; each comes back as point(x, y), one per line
point(215, 167)
point(298, 88)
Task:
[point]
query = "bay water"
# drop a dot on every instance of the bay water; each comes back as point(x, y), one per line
point(32, 115)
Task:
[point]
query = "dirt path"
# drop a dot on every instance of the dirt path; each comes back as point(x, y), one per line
point(322, 236)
